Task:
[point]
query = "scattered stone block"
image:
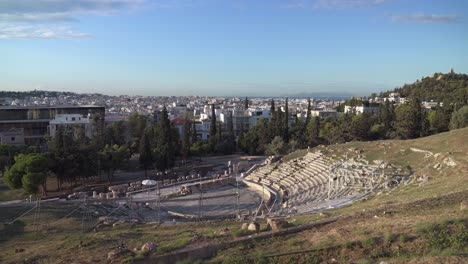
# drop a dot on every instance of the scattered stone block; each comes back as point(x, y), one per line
point(149, 247)
point(276, 224)
point(254, 226)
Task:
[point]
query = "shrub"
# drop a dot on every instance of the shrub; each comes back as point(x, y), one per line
point(368, 242)
point(424, 228)
point(347, 244)
point(403, 238)
point(360, 232)
point(388, 238)
point(459, 118)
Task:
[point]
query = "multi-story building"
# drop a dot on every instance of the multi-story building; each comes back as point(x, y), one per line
point(324, 113)
point(14, 136)
point(361, 109)
point(73, 124)
point(240, 120)
point(35, 120)
point(257, 114)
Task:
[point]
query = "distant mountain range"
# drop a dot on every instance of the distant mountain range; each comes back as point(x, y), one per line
point(452, 87)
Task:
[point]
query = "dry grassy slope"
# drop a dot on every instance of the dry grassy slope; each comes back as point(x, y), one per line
point(445, 147)
point(367, 224)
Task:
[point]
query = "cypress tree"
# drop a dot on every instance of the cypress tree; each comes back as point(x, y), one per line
point(231, 136)
point(272, 124)
point(194, 133)
point(246, 103)
point(186, 137)
point(212, 139)
point(286, 122)
point(316, 130)
point(165, 145)
point(145, 152)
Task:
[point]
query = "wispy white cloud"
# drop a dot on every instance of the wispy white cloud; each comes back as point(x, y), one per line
point(39, 32)
point(426, 18)
point(347, 3)
point(46, 19)
point(331, 4)
point(61, 10)
point(295, 5)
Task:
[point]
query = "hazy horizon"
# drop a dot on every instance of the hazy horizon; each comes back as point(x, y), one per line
point(228, 48)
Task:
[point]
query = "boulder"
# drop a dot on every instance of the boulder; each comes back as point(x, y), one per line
point(276, 224)
point(245, 226)
point(450, 162)
point(149, 247)
point(254, 226)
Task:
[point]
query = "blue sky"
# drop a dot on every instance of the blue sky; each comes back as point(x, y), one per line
point(220, 47)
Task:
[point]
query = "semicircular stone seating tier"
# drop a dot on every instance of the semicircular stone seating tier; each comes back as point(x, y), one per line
point(313, 178)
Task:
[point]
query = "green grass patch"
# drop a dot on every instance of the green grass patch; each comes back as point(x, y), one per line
point(388, 238)
point(295, 242)
point(403, 238)
point(347, 244)
point(242, 232)
point(444, 235)
point(368, 242)
point(174, 245)
point(363, 261)
point(424, 228)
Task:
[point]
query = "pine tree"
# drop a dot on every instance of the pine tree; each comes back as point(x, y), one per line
point(409, 120)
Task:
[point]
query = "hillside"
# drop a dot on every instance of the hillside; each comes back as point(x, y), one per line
point(406, 225)
point(424, 221)
point(451, 87)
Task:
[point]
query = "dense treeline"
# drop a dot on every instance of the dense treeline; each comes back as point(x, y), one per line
point(405, 121)
point(450, 88)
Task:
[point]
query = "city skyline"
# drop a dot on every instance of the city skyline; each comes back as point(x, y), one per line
point(228, 48)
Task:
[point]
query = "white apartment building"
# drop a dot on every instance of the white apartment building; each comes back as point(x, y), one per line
point(361, 109)
point(70, 122)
